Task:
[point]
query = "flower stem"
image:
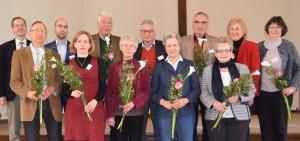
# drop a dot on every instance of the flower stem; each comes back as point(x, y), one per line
point(85, 103)
point(287, 107)
point(121, 123)
point(41, 111)
point(174, 111)
point(219, 117)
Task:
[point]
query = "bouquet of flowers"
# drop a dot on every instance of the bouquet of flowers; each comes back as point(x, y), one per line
point(72, 77)
point(239, 86)
point(175, 93)
point(126, 81)
point(200, 58)
point(109, 56)
point(279, 81)
point(39, 81)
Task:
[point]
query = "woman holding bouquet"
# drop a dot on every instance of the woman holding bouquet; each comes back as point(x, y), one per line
point(174, 66)
point(282, 55)
point(235, 121)
point(93, 72)
point(127, 75)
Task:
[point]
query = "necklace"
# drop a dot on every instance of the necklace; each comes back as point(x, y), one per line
point(81, 64)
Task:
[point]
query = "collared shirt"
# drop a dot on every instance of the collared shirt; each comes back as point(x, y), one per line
point(144, 46)
point(62, 50)
point(37, 54)
point(176, 63)
point(18, 43)
point(103, 38)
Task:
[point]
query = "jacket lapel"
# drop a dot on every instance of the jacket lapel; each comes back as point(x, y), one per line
point(181, 66)
point(242, 49)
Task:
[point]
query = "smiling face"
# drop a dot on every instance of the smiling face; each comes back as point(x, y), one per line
point(223, 52)
point(147, 33)
point(83, 44)
point(172, 47)
point(274, 31)
point(19, 28)
point(105, 26)
point(235, 32)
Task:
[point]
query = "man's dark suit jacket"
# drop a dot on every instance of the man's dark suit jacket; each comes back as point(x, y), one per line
point(6, 52)
point(53, 46)
point(159, 51)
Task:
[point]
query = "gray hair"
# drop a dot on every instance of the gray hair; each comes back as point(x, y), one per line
point(148, 21)
point(129, 37)
point(104, 13)
point(223, 40)
point(171, 35)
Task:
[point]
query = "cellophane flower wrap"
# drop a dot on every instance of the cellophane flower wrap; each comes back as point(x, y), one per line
point(72, 77)
point(175, 92)
point(109, 57)
point(238, 87)
point(126, 80)
point(279, 81)
point(39, 80)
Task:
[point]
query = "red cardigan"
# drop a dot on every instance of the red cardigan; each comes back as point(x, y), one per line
point(249, 56)
point(141, 86)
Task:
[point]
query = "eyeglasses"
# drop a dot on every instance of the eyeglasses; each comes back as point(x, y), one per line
point(200, 22)
point(223, 51)
point(275, 27)
point(38, 31)
point(147, 31)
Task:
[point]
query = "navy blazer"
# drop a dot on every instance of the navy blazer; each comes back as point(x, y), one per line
point(6, 53)
point(160, 86)
point(159, 51)
point(53, 46)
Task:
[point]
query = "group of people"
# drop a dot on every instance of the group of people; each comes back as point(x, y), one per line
point(174, 57)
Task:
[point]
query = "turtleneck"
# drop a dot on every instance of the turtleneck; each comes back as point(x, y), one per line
point(236, 47)
point(272, 43)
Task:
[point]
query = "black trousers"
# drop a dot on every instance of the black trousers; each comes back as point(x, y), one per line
point(131, 131)
point(32, 128)
point(272, 114)
point(229, 129)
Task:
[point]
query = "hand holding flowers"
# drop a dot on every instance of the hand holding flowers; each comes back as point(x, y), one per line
point(280, 82)
point(175, 94)
point(239, 86)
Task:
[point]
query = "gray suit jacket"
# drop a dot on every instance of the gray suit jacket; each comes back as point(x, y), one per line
point(240, 109)
point(187, 46)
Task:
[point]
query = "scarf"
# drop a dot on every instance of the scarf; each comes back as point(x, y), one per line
point(217, 84)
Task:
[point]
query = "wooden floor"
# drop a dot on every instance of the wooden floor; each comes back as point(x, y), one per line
point(293, 129)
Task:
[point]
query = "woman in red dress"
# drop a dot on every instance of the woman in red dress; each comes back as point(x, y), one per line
point(92, 70)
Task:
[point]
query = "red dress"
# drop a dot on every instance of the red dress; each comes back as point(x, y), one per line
point(77, 124)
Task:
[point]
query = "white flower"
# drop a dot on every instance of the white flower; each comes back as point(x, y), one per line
point(53, 59)
point(265, 64)
point(107, 39)
point(192, 70)
point(256, 73)
point(142, 64)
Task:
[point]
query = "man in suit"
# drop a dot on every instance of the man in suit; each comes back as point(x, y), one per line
point(201, 40)
point(104, 24)
point(22, 72)
point(61, 46)
point(153, 51)
point(7, 96)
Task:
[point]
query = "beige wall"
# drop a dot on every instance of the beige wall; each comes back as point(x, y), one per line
point(82, 15)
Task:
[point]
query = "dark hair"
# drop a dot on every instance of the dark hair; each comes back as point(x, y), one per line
point(16, 18)
point(280, 22)
point(36, 22)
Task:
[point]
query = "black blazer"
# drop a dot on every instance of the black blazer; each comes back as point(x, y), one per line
point(53, 46)
point(159, 51)
point(6, 53)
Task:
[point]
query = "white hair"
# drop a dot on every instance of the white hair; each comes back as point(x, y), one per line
point(104, 13)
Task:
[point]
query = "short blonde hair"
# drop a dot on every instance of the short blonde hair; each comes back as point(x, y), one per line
point(73, 50)
point(240, 22)
point(222, 40)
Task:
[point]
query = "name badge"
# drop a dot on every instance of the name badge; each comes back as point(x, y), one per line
point(71, 56)
point(88, 67)
point(274, 60)
point(211, 51)
point(53, 66)
point(160, 57)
